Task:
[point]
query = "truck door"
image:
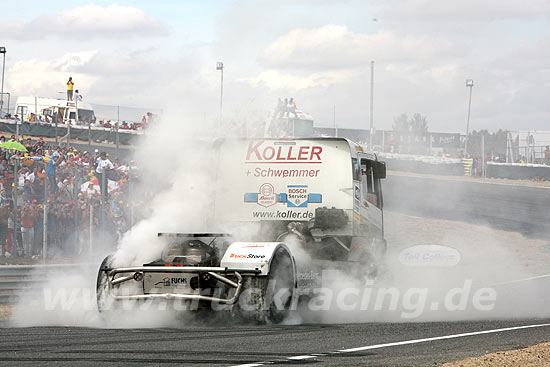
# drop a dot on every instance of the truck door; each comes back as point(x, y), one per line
point(370, 207)
point(370, 184)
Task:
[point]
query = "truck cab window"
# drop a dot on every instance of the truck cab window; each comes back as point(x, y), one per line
point(369, 182)
point(356, 169)
point(24, 110)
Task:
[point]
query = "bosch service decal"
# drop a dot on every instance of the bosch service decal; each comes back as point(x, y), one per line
point(296, 196)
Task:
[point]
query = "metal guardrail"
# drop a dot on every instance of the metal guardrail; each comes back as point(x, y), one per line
point(81, 133)
point(15, 279)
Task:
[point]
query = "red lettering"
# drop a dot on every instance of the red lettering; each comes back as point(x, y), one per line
point(289, 157)
point(236, 256)
point(257, 152)
point(253, 148)
point(316, 151)
point(302, 155)
point(271, 153)
point(279, 156)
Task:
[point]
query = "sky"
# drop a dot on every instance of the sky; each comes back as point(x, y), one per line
point(163, 54)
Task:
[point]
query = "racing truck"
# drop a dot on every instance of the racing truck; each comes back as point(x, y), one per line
point(292, 209)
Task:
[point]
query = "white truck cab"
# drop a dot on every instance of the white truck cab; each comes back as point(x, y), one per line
point(46, 108)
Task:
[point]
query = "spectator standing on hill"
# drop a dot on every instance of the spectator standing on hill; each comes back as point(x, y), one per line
point(38, 182)
point(95, 157)
point(292, 107)
point(52, 166)
point(28, 190)
point(70, 87)
point(77, 96)
point(30, 176)
point(29, 145)
point(104, 166)
point(28, 218)
point(66, 192)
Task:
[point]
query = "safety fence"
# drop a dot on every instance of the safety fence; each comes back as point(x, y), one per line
point(465, 167)
point(512, 208)
point(16, 280)
point(82, 133)
point(423, 164)
point(518, 171)
point(123, 113)
point(72, 217)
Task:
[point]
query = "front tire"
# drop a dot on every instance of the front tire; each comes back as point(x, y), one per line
point(268, 299)
point(104, 298)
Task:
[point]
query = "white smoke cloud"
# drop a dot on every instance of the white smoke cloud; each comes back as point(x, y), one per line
point(174, 166)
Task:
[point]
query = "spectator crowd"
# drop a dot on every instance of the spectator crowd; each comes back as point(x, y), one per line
point(83, 191)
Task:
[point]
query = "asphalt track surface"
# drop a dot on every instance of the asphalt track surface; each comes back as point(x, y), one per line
point(512, 207)
point(315, 345)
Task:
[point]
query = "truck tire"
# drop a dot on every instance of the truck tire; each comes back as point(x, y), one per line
point(268, 299)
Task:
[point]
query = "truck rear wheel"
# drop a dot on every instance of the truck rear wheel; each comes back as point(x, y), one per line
point(268, 299)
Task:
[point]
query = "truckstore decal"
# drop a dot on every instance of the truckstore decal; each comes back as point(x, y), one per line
point(247, 256)
point(297, 196)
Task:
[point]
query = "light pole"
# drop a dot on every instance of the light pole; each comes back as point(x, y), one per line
point(371, 134)
point(2, 102)
point(334, 121)
point(3, 52)
point(470, 84)
point(219, 66)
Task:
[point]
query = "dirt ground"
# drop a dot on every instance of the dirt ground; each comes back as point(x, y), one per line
point(505, 255)
point(533, 356)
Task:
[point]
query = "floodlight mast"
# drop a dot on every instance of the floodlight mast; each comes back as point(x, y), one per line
point(469, 84)
point(219, 66)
